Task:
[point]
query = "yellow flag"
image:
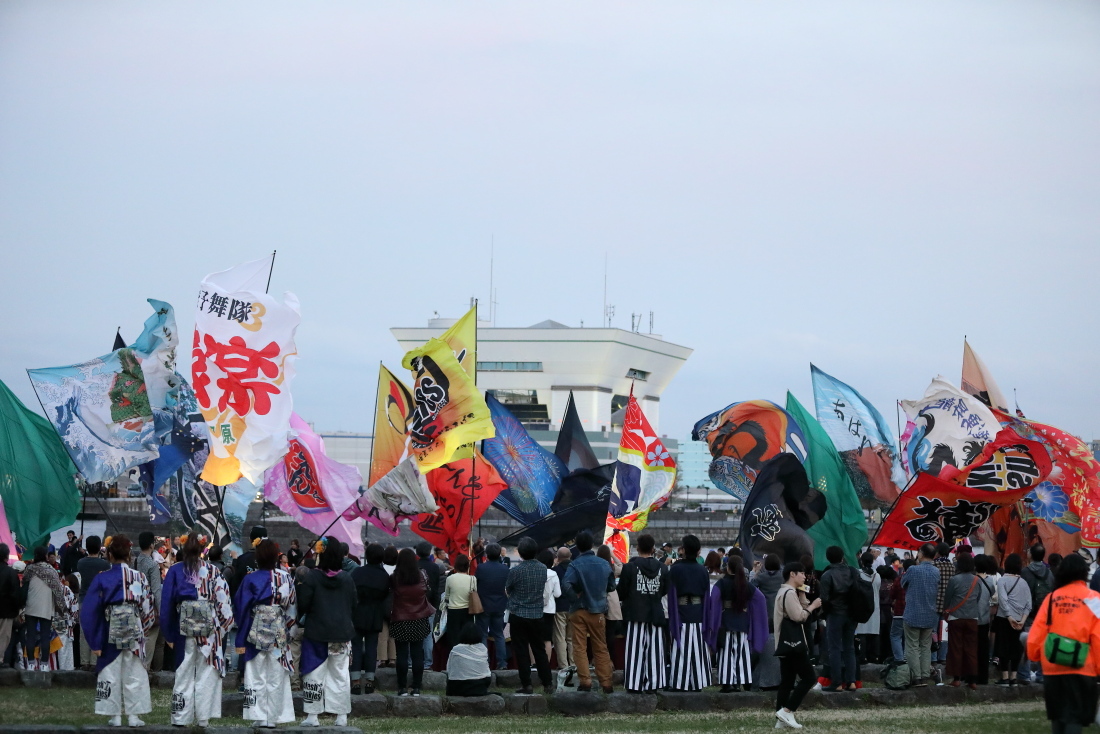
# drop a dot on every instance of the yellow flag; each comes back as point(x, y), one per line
point(449, 410)
point(462, 339)
point(393, 411)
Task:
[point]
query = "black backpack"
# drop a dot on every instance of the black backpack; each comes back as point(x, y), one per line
point(861, 599)
point(1040, 586)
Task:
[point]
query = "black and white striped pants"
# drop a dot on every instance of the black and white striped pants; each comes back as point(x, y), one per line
point(645, 657)
point(690, 659)
point(734, 659)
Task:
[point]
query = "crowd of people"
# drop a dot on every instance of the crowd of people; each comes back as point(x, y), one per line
point(321, 621)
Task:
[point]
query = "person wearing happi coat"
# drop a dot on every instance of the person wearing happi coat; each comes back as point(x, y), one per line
point(200, 658)
point(327, 599)
point(738, 626)
point(122, 684)
point(266, 591)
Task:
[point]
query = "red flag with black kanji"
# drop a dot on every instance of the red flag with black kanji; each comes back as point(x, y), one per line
point(463, 489)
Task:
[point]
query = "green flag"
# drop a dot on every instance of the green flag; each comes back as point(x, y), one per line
point(36, 473)
point(843, 523)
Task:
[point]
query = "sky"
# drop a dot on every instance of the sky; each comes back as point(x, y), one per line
point(853, 184)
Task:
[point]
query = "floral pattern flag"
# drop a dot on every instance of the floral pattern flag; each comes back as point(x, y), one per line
point(645, 473)
point(243, 358)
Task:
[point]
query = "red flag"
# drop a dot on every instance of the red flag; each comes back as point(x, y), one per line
point(1007, 462)
point(463, 489)
point(933, 510)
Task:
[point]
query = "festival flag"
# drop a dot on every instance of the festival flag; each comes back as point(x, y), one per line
point(1072, 491)
point(393, 411)
point(210, 516)
point(573, 447)
point(779, 510)
point(462, 339)
point(100, 409)
point(242, 364)
point(449, 412)
point(1007, 462)
point(119, 342)
point(532, 473)
point(932, 510)
point(400, 494)
point(463, 490)
point(741, 437)
point(580, 505)
point(948, 428)
point(37, 477)
point(645, 473)
point(5, 535)
point(843, 523)
point(977, 380)
point(313, 489)
point(863, 438)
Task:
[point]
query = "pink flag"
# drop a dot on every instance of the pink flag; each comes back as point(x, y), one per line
point(5, 533)
point(314, 489)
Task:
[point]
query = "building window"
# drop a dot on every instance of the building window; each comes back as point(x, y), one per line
point(509, 366)
point(525, 406)
point(639, 375)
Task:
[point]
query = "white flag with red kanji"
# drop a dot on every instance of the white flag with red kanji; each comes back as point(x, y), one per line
point(243, 357)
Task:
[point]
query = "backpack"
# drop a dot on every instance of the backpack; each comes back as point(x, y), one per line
point(861, 599)
point(196, 618)
point(268, 627)
point(895, 675)
point(1040, 586)
point(123, 625)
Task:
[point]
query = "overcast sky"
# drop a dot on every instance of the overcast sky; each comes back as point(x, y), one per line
point(853, 184)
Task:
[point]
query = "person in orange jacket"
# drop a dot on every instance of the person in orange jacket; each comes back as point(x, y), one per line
point(1071, 611)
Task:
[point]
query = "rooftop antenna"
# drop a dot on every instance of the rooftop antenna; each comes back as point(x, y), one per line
point(492, 293)
point(651, 324)
point(605, 287)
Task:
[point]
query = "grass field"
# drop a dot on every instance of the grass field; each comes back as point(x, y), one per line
point(74, 706)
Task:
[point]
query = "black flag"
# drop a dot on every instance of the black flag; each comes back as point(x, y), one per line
point(778, 511)
point(573, 447)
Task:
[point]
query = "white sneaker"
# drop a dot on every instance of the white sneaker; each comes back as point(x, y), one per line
point(780, 725)
point(114, 721)
point(203, 723)
point(787, 718)
point(817, 687)
point(134, 721)
point(341, 720)
point(311, 720)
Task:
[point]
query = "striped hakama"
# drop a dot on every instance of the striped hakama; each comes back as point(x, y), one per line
point(690, 669)
point(645, 657)
point(734, 659)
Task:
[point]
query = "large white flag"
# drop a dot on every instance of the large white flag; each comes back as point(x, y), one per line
point(946, 427)
point(242, 364)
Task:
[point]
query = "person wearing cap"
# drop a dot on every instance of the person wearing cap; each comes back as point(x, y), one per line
point(119, 594)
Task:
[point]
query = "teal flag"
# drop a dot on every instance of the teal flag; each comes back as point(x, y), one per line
point(36, 473)
point(843, 523)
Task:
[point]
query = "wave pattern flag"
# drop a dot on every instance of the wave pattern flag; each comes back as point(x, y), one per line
point(393, 411)
point(863, 438)
point(843, 523)
point(449, 411)
point(645, 473)
point(977, 381)
point(400, 494)
point(780, 509)
point(742, 437)
point(948, 428)
point(243, 357)
point(101, 411)
point(463, 490)
point(37, 477)
point(532, 473)
point(1072, 491)
point(932, 510)
point(312, 488)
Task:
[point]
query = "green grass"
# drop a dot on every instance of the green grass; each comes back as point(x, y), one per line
point(74, 707)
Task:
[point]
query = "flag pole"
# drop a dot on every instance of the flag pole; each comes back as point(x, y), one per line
point(263, 492)
point(473, 455)
point(886, 514)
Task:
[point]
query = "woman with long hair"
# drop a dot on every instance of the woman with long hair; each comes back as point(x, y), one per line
point(1069, 680)
point(196, 613)
point(45, 601)
point(743, 628)
point(372, 584)
point(410, 619)
point(115, 616)
point(266, 608)
point(613, 623)
point(327, 599)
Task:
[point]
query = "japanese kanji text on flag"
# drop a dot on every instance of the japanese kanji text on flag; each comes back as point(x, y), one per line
point(242, 364)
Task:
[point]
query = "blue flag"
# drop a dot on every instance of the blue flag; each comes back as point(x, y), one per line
point(533, 474)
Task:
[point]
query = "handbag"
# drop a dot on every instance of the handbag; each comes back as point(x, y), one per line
point(475, 606)
point(791, 639)
point(1061, 650)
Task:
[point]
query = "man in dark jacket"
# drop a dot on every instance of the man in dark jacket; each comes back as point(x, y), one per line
point(492, 577)
point(11, 600)
point(563, 640)
point(431, 570)
point(642, 584)
point(89, 567)
point(840, 630)
point(245, 563)
point(591, 577)
point(1040, 581)
point(372, 585)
